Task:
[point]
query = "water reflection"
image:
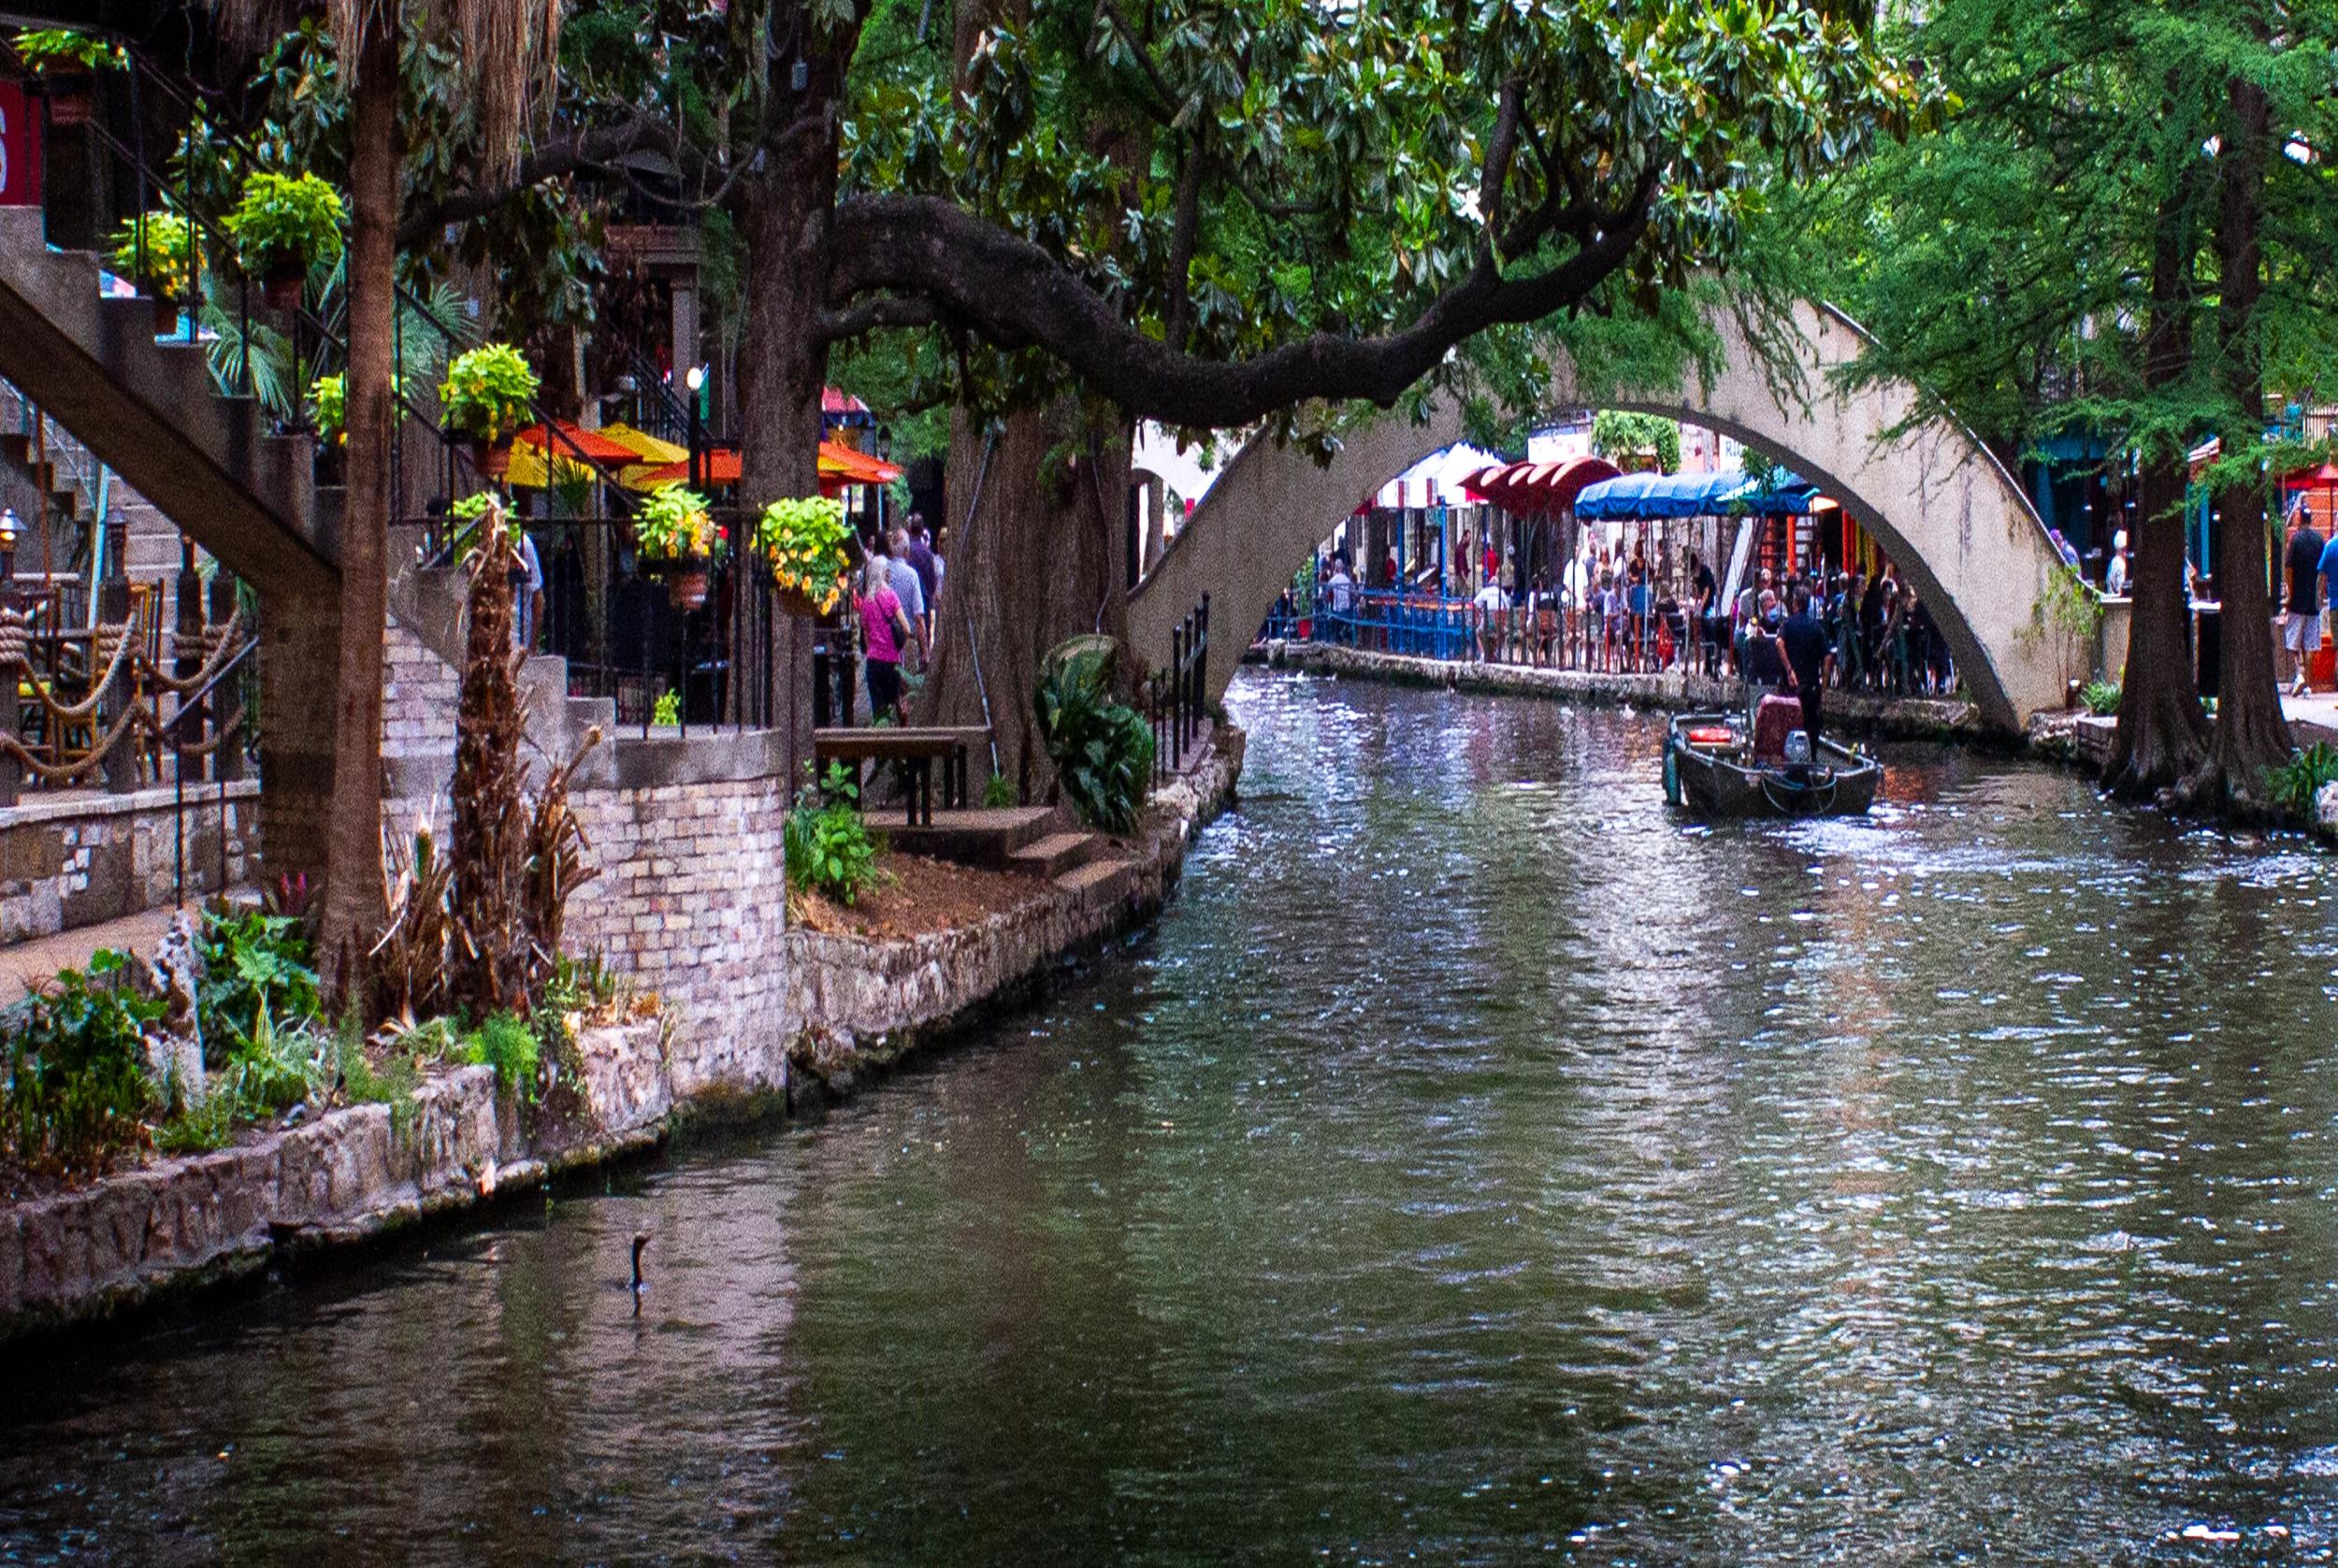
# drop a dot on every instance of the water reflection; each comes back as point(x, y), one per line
point(1479, 1164)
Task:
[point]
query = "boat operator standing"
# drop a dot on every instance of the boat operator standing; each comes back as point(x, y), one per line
point(1807, 652)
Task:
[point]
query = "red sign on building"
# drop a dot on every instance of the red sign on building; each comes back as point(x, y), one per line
point(19, 147)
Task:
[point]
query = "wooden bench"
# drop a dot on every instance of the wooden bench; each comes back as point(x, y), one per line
point(918, 749)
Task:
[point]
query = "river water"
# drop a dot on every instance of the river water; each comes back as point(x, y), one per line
point(1476, 1164)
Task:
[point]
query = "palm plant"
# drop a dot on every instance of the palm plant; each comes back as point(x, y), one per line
point(504, 50)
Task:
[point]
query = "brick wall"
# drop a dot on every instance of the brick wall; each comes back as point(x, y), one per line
point(419, 692)
point(691, 902)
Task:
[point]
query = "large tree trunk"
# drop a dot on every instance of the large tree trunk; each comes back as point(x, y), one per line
point(2163, 736)
point(353, 889)
point(786, 217)
point(2251, 734)
point(1039, 555)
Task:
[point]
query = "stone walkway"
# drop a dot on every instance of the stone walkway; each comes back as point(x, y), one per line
point(2312, 717)
point(27, 963)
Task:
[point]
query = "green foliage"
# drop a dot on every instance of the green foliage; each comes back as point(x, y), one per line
point(669, 709)
point(1303, 590)
point(1615, 434)
point(286, 223)
point(47, 50)
point(674, 524)
point(827, 845)
point(329, 403)
point(277, 1068)
point(159, 256)
point(392, 1084)
point(507, 1044)
point(998, 793)
point(488, 392)
point(256, 976)
point(2100, 697)
point(2067, 604)
point(2294, 785)
point(1102, 750)
point(803, 539)
point(77, 1087)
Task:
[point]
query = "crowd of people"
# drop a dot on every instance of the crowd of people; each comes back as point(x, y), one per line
point(899, 584)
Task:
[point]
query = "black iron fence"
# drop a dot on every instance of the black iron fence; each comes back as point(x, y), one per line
point(1178, 696)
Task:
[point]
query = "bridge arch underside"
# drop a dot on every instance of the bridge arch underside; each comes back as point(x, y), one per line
point(1940, 504)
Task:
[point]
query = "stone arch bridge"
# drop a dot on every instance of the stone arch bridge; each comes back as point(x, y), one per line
point(1941, 504)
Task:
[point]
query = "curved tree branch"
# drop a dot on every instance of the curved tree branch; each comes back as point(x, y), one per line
point(1016, 295)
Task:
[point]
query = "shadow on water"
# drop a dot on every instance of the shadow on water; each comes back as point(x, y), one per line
point(1479, 1163)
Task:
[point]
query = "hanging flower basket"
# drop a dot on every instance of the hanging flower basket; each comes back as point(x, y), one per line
point(687, 581)
point(67, 62)
point(680, 543)
point(802, 538)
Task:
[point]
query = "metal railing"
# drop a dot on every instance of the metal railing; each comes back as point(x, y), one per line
point(1178, 696)
point(629, 633)
point(1895, 658)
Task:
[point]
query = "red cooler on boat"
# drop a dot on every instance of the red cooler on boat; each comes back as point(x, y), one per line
point(1773, 721)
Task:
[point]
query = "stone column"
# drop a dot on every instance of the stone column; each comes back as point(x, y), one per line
point(299, 651)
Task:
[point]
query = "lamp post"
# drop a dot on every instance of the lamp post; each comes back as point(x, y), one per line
point(10, 525)
point(694, 378)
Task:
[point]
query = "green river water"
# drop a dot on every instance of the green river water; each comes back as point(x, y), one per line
point(1477, 1163)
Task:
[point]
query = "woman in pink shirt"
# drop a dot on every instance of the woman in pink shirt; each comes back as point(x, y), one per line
point(883, 628)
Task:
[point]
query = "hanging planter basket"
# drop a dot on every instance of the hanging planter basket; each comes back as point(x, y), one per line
point(795, 601)
point(492, 459)
point(687, 577)
point(72, 97)
point(281, 286)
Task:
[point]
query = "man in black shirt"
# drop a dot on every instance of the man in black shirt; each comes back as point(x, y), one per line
point(2302, 632)
point(1807, 652)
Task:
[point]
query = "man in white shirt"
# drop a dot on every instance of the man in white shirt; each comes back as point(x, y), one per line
point(901, 578)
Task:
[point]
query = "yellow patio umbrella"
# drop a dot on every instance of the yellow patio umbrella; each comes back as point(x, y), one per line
point(655, 455)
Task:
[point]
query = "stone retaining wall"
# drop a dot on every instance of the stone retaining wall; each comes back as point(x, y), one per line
point(82, 857)
point(691, 900)
point(1853, 712)
point(860, 1005)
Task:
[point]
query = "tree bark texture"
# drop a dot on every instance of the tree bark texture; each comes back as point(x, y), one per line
point(2251, 735)
point(787, 212)
point(1038, 553)
point(2163, 736)
point(353, 890)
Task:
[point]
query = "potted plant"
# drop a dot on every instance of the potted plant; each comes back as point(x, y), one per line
point(680, 543)
point(803, 539)
point(284, 224)
point(487, 394)
point(1303, 600)
point(66, 62)
point(159, 257)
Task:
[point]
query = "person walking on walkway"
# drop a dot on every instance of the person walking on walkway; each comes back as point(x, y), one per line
point(2301, 630)
point(884, 627)
point(909, 587)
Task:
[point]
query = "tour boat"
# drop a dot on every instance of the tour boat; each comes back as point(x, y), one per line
point(1717, 767)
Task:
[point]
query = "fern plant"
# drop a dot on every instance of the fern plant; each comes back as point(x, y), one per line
point(828, 847)
point(2294, 785)
point(1102, 750)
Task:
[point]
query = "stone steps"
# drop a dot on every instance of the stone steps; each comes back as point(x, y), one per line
point(984, 836)
point(1100, 881)
point(1052, 857)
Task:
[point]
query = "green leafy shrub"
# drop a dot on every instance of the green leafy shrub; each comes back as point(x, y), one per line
point(669, 709)
point(998, 793)
point(506, 1043)
point(392, 1084)
point(286, 223)
point(2296, 782)
point(488, 392)
point(2100, 697)
point(279, 1067)
point(827, 846)
point(76, 1087)
point(58, 49)
point(256, 976)
point(1102, 750)
point(162, 261)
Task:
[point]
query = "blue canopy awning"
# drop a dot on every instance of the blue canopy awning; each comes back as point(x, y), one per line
point(1725, 492)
